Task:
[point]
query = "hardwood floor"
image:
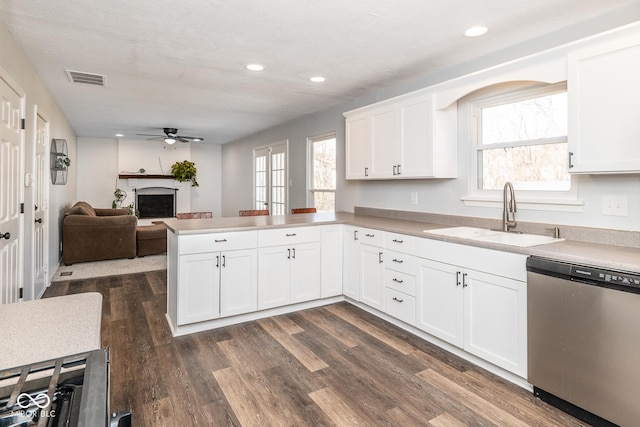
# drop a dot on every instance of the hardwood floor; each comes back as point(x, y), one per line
point(335, 365)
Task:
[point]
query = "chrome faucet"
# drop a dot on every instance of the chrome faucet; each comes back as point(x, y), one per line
point(508, 207)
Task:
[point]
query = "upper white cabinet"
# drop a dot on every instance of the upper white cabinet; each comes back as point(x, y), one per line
point(604, 100)
point(404, 137)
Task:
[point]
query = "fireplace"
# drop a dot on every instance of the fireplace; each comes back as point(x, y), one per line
point(156, 202)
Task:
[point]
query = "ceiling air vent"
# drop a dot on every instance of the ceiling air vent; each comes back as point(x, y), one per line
point(80, 77)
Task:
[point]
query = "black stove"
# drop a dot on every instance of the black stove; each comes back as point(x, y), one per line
point(69, 391)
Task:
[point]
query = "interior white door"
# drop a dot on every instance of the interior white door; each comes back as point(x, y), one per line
point(11, 191)
point(40, 243)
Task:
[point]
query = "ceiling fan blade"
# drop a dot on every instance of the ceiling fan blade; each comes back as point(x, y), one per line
point(190, 137)
point(181, 139)
point(148, 134)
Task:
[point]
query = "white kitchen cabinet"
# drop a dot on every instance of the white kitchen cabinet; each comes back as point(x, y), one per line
point(351, 263)
point(603, 103)
point(331, 261)
point(404, 137)
point(483, 312)
point(288, 274)
point(198, 291)
point(371, 252)
point(357, 143)
point(238, 281)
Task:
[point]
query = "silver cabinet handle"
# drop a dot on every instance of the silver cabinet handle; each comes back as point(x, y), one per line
point(457, 278)
point(290, 234)
point(217, 261)
point(397, 241)
point(570, 156)
point(399, 170)
point(366, 171)
point(399, 261)
point(294, 253)
point(288, 253)
point(464, 280)
point(220, 240)
point(397, 280)
point(224, 260)
point(355, 234)
point(370, 235)
point(398, 300)
point(394, 170)
point(380, 257)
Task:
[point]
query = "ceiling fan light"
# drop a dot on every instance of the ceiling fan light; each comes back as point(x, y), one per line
point(170, 140)
point(196, 140)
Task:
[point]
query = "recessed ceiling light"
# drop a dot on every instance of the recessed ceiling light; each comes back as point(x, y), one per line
point(317, 79)
point(476, 31)
point(119, 135)
point(255, 67)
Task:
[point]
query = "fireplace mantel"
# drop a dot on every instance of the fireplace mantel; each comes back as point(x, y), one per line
point(143, 176)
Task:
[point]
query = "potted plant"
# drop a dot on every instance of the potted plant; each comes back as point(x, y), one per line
point(185, 171)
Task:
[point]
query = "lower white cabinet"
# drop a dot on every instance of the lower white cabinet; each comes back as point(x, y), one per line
point(331, 258)
point(199, 292)
point(238, 282)
point(372, 276)
point(351, 263)
point(482, 313)
point(216, 285)
point(288, 274)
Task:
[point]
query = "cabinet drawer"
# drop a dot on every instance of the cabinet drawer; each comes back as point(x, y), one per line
point(216, 242)
point(402, 282)
point(400, 262)
point(400, 305)
point(400, 242)
point(369, 236)
point(289, 236)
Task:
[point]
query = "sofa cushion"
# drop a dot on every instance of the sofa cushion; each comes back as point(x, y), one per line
point(87, 206)
point(78, 210)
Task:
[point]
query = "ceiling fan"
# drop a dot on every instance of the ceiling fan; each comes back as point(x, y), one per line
point(171, 136)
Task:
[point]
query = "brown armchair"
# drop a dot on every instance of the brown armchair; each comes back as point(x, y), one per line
point(90, 234)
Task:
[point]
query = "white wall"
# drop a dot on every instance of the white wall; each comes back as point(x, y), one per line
point(434, 196)
point(100, 160)
point(15, 63)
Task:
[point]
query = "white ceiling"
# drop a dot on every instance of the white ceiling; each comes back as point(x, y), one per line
point(171, 63)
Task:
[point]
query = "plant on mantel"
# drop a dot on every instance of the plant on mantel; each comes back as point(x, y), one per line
point(185, 171)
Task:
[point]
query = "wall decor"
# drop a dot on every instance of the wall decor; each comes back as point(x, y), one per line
point(59, 161)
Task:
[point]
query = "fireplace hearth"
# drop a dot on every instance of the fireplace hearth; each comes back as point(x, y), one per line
point(156, 202)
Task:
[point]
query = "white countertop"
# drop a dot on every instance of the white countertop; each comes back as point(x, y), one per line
point(607, 256)
point(48, 328)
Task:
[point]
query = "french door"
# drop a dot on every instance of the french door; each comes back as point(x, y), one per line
point(270, 178)
point(40, 234)
point(11, 190)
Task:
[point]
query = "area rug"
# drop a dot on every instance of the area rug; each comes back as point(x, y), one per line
point(115, 267)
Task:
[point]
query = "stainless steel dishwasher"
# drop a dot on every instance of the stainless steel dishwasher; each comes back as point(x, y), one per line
point(584, 340)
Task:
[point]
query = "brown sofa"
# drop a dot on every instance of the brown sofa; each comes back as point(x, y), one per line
point(90, 234)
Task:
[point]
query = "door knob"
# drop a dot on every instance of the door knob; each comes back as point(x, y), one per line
point(39, 220)
point(6, 235)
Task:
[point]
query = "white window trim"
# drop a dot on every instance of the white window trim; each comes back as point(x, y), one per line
point(309, 190)
point(558, 201)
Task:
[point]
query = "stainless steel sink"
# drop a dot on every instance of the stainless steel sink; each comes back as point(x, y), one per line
point(487, 235)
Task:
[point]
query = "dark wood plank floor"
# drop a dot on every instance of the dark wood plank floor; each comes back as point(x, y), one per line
point(335, 365)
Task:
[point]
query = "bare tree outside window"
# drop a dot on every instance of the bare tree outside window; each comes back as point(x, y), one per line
point(524, 141)
point(322, 172)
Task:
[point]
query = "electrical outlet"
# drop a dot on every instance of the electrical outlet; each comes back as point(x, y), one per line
point(414, 197)
point(615, 205)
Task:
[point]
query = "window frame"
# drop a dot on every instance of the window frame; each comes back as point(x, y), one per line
point(500, 94)
point(310, 190)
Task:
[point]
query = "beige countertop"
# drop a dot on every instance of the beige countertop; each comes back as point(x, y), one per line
point(49, 328)
point(607, 256)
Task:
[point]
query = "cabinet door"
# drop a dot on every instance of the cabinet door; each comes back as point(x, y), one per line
point(496, 320)
point(415, 151)
point(198, 288)
point(331, 258)
point(305, 272)
point(604, 100)
point(357, 143)
point(238, 282)
point(274, 284)
point(351, 263)
point(372, 276)
point(440, 300)
point(384, 139)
